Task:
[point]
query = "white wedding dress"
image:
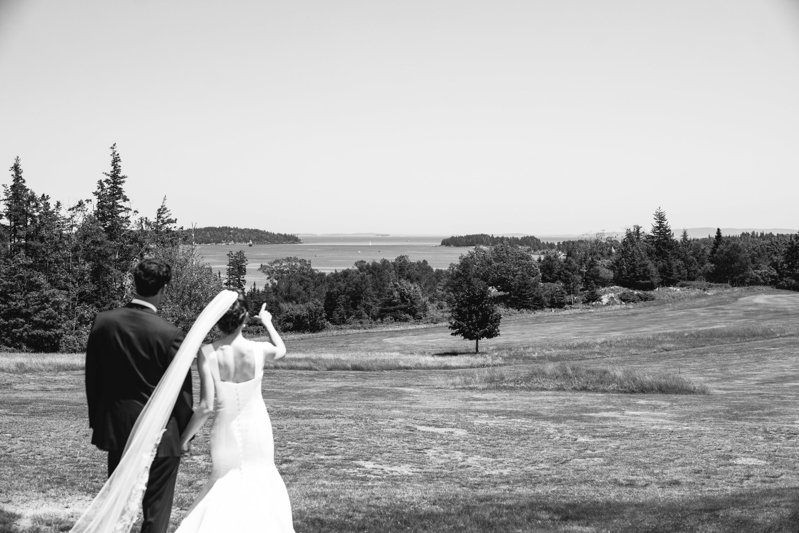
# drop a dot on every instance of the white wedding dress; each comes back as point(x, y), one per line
point(245, 492)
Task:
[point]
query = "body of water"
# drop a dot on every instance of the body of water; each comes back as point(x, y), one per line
point(337, 252)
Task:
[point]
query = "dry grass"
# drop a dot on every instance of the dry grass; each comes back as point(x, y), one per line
point(645, 343)
point(381, 361)
point(24, 363)
point(575, 377)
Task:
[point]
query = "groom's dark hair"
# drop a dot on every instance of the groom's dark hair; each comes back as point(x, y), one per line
point(150, 275)
point(235, 316)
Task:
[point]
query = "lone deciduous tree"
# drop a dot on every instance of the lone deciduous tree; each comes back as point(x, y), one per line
point(473, 314)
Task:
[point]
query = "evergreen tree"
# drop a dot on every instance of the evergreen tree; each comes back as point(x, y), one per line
point(113, 251)
point(571, 277)
point(403, 302)
point(236, 270)
point(31, 310)
point(592, 273)
point(557, 296)
point(662, 247)
point(661, 239)
point(48, 242)
point(111, 207)
point(19, 204)
point(549, 265)
point(788, 266)
point(717, 240)
point(160, 232)
point(526, 294)
point(631, 266)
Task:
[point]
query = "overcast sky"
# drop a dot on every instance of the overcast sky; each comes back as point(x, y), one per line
point(411, 116)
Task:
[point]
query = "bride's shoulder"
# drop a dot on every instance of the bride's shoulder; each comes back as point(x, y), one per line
point(207, 350)
point(254, 347)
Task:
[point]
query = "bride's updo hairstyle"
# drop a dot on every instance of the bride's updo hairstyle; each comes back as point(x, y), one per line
point(234, 317)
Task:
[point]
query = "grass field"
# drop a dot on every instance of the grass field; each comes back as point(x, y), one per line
point(390, 431)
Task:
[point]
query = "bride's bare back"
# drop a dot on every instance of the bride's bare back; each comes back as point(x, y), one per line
point(239, 361)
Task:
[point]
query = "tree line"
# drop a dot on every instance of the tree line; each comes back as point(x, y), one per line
point(60, 266)
point(471, 293)
point(482, 239)
point(646, 261)
point(227, 234)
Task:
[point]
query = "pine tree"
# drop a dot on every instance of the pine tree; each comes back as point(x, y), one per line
point(31, 310)
point(19, 203)
point(661, 239)
point(549, 265)
point(160, 232)
point(526, 293)
point(111, 209)
point(662, 247)
point(236, 270)
point(717, 240)
point(631, 266)
point(570, 276)
point(113, 251)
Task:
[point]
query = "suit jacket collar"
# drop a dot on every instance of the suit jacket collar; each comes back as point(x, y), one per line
point(142, 303)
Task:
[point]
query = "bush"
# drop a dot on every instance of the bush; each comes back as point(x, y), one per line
point(591, 296)
point(632, 297)
point(553, 295)
point(308, 317)
point(74, 342)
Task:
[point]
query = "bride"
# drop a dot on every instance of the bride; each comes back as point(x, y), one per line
point(245, 491)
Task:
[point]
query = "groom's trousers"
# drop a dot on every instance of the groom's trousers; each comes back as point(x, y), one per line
point(157, 501)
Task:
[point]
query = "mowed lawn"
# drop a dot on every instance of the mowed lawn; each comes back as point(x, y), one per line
point(415, 450)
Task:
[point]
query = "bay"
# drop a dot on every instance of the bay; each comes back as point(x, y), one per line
point(328, 253)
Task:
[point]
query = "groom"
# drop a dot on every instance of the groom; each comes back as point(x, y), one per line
point(128, 352)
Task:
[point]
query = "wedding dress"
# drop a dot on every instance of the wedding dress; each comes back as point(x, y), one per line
point(245, 492)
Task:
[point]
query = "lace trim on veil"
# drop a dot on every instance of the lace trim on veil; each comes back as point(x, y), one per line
point(116, 507)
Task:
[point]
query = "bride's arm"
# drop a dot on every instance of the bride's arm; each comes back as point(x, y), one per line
point(206, 405)
point(275, 349)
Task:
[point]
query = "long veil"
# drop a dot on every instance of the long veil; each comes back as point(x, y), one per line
point(116, 506)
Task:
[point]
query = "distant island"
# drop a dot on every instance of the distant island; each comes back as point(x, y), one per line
point(481, 239)
point(228, 234)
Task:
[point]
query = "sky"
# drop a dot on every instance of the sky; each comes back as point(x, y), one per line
point(411, 116)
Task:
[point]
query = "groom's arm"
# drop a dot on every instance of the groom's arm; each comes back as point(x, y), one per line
point(93, 370)
point(183, 406)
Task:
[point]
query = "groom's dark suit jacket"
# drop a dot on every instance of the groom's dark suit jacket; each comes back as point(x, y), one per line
point(128, 352)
